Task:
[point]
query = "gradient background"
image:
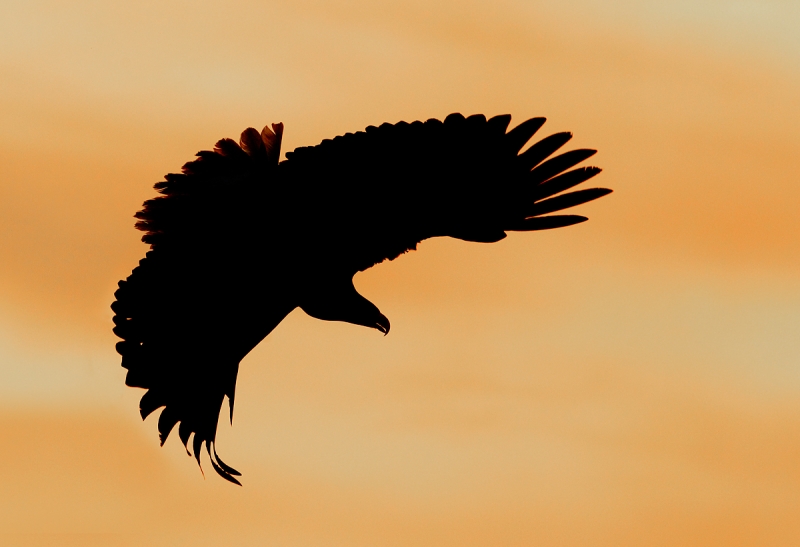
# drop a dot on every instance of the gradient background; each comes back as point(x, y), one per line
point(632, 381)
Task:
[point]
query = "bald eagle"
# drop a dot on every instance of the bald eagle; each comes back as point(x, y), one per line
point(238, 240)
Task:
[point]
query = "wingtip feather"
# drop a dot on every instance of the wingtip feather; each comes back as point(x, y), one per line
point(517, 137)
point(565, 201)
point(547, 223)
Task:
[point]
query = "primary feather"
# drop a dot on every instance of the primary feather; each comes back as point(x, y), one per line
point(238, 240)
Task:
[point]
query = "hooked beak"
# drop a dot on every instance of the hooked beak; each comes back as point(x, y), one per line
point(382, 324)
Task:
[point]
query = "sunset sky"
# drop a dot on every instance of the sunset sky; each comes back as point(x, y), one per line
point(631, 381)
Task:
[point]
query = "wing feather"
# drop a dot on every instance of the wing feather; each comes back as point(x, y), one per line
point(377, 194)
point(566, 201)
point(559, 164)
point(197, 304)
point(547, 223)
point(541, 150)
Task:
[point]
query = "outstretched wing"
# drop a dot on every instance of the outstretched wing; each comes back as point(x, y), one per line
point(199, 301)
point(373, 195)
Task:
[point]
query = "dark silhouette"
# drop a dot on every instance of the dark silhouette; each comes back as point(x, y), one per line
point(238, 240)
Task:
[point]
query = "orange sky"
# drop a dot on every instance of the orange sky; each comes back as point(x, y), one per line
point(632, 381)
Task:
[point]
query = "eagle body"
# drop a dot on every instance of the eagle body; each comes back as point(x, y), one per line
point(239, 240)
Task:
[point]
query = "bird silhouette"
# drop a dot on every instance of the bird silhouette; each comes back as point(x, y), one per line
point(238, 240)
